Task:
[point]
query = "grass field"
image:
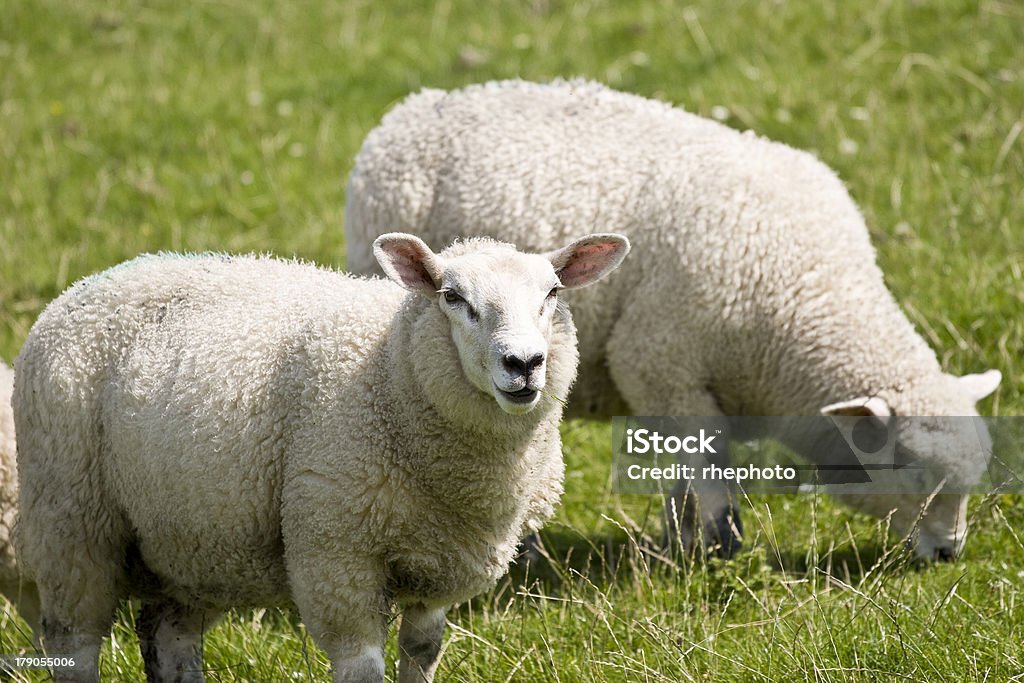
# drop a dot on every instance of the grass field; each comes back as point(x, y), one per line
point(128, 127)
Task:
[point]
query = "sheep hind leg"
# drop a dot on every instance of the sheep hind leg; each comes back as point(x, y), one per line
point(419, 644)
point(74, 621)
point(81, 648)
point(704, 512)
point(667, 378)
point(703, 516)
point(171, 640)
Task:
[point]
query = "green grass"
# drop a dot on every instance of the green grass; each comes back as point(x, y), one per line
point(128, 127)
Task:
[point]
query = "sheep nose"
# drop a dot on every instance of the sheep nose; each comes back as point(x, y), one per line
point(944, 554)
point(520, 365)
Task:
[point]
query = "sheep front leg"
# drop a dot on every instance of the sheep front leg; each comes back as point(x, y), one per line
point(366, 666)
point(351, 632)
point(347, 622)
point(419, 643)
point(704, 512)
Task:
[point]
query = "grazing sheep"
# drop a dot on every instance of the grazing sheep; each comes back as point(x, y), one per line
point(17, 589)
point(757, 292)
point(210, 431)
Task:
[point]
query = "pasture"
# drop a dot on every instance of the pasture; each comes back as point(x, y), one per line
point(130, 127)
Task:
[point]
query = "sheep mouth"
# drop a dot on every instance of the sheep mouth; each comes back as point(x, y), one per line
point(524, 395)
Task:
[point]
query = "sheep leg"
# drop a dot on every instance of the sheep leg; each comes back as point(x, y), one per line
point(170, 637)
point(698, 513)
point(419, 643)
point(703, 514)
point(350, 626)
point(63, 640)
point(78, 597)
point(667, 379)
point(338, 584)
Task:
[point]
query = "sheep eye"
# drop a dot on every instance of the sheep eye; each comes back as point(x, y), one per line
point(454, 299)
point(550, 298)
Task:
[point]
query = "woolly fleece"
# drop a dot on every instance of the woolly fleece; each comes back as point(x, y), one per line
point(753, 288)
point(229, 431)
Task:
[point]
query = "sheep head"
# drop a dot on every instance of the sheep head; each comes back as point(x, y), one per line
point(500, 303)
point(938, 428)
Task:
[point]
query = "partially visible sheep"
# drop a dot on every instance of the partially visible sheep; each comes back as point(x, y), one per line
point(755, 291)
point(19, 590)
point(212, 431)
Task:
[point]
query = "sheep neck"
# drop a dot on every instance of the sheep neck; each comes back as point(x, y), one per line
point(883, 356)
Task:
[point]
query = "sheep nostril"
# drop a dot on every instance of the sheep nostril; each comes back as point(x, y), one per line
point(944, 554)
point(518, 365)
point(514, 363)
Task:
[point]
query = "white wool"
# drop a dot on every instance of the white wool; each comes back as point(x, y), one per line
point(753, 288)
point(249, 431)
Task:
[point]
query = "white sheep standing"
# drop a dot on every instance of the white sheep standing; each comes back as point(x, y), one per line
point(211, 431)
point(755, 292)
point(19, 590)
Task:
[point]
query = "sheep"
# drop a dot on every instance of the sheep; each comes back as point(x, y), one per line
point(19, 590)
point(210, 431)
point(756, 293)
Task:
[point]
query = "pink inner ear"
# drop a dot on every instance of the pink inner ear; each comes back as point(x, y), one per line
point(411, 272)
point(590, 250)
point(407, 262)
point(584, 261)
point(403, 250)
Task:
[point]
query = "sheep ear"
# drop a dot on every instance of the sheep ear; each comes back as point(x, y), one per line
point(588, 259)
point(407, 260)
point(859, 407)
point(978, 387)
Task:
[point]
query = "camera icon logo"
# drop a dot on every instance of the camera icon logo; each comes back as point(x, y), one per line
point(865, 453)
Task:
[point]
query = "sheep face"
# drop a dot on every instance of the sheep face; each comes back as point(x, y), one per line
point(954, 450)
point(500, 303)
point(500, 307)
